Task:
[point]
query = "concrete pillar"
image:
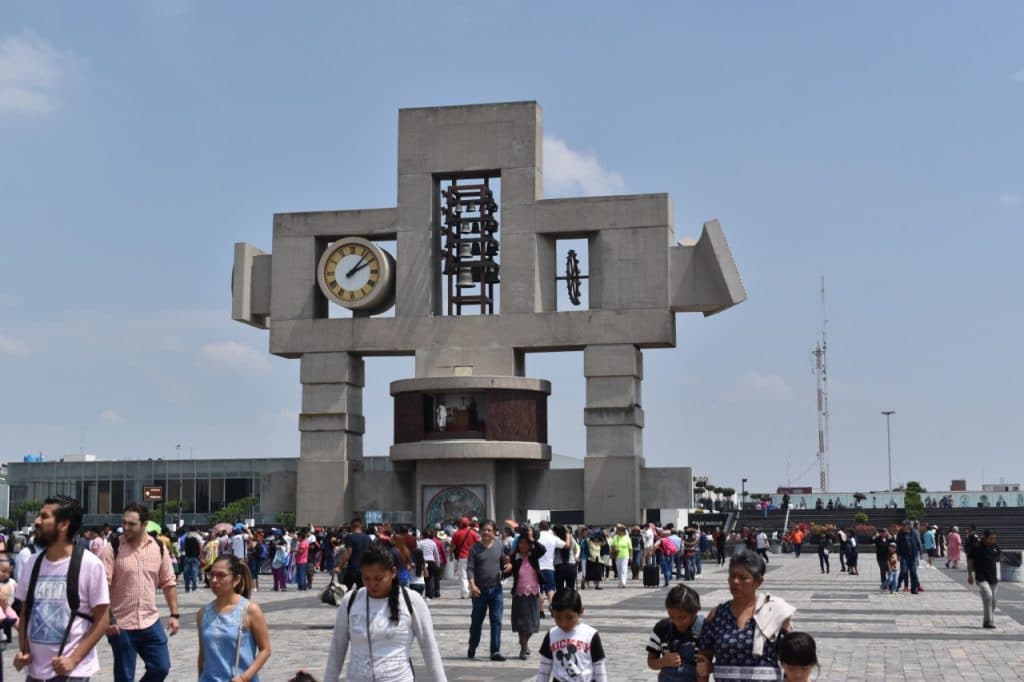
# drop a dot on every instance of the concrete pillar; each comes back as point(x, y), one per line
point(331, 430)
point(614, 422)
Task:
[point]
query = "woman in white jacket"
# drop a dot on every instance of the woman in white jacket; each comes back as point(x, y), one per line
point(377, 625)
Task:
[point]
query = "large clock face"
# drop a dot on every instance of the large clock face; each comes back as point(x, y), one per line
point(357, 274)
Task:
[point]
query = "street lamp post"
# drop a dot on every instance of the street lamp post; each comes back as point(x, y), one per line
point(743, 492)
point(888, 441)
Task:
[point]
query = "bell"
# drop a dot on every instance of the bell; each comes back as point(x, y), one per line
point(475, 248)
point(467, 249)
point(475, 228)
point(466, 228)
point(465, 278)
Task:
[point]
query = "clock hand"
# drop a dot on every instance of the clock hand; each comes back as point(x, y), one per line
point(359, 266)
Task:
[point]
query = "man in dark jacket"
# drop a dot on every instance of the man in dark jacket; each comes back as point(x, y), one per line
point(908, 548)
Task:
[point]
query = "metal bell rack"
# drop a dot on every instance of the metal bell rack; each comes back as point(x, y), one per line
point(470, 245)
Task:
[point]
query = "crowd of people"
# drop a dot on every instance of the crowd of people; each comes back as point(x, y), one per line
point(109, 580)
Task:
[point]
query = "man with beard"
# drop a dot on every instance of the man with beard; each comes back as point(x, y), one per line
point(54, 642)
point(134, 573)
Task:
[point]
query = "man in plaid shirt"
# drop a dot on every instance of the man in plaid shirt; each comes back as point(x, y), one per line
point(139, 568)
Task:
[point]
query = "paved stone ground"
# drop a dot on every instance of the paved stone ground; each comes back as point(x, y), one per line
point(862, 634)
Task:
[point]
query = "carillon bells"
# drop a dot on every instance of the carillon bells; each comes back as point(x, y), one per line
point(465, 278)
point(468, 249)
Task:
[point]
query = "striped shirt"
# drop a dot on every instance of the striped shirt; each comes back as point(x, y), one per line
point(134, 579)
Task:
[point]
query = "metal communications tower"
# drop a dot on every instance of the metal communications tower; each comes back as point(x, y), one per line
point(821, 373)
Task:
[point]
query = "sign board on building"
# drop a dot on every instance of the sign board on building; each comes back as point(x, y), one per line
point(152, 493)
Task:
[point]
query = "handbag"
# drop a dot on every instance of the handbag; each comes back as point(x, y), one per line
point(334, 591)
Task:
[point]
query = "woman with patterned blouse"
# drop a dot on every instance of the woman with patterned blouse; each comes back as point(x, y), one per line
point(739, 637)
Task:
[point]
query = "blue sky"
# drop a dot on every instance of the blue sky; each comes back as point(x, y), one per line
point(880, 145)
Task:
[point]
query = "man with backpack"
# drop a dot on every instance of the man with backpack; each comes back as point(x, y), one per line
point(64, 601)
point(136, 565)
point(462, 541)
point(192, 549)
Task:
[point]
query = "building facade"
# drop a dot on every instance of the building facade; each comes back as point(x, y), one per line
point(201, 485)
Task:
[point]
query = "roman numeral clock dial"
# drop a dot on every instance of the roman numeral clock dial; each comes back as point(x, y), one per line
point(357, 274)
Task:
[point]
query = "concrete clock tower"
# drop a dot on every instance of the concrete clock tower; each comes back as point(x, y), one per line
point(473, 281)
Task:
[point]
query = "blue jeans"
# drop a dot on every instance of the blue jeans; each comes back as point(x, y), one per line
point(890, 581)
point(908, 573)
point(491, 599)
point(149, 643)
point(690, 570)
point(666, 568)
point(191, 572)
point(698, 558)
point(300, 577)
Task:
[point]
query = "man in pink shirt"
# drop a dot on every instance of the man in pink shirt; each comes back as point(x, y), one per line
point(134, 573)
point(54, 642)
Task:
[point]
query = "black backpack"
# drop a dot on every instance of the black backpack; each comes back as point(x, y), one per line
point(74, 569)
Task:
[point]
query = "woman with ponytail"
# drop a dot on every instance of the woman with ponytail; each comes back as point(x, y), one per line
point(234, 641)
point(379, 622)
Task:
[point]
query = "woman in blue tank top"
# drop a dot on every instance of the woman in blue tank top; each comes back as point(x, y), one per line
point(233, 635)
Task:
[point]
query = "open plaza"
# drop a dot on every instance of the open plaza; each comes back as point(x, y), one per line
point(863, 635)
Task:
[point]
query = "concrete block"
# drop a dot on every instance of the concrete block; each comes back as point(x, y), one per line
point(612, 490)
point(613, 360)
point(703, 277)
point(583, 215)
point(330, 446)
point(324, 492)
point(519, 186)
point(613, 416)
point(569, 330)
point(250, 286)
point(418, 253)
point(294, 294)
point(370, 223)
point(614, 441)
point(332, 398)
point(475, 138)
point(332, 368)
point(466, 449)
point(631, 268)
point(615, 391)
point(350, 423)
point(666, 487)
point(471, 360)
point(551, 489)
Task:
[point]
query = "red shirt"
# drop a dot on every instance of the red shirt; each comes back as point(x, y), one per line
point(302, 554)
point(462, 541)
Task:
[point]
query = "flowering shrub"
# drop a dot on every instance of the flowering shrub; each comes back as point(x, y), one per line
point(864, 530)
point(822, 528)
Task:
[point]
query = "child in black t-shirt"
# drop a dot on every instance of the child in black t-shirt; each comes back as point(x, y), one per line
point(672, 648)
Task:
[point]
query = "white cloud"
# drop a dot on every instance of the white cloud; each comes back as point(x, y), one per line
point(1019, 76)
point(111, 417)
point(12, 346)
point(568, 172)
point(30, 71)
point(765, 385)
point(1009, 199)
point(9, 300)
point(234, 357)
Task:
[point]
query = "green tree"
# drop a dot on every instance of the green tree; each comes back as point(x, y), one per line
point(170, 507)
point(860, 517)
point(25, 508)
point(233, 511)
point(912, 500)
point(286, 519)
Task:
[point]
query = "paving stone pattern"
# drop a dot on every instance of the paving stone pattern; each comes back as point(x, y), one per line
point(862, 634)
